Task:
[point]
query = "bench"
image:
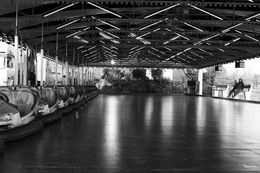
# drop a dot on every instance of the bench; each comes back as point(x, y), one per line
point(220, 90)
point(245, 94)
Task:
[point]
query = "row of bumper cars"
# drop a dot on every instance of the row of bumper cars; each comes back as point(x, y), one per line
point(17, 113)
point(23, 110)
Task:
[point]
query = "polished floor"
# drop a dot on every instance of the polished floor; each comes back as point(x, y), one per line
point(144, 133)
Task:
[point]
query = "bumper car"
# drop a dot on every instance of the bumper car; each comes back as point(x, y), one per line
point(93, 92)
point(81, 93)
point(48, 105)
point(74, 97)
point(64, 98)
point(17, 113)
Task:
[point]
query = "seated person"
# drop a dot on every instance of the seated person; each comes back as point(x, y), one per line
point(232, 91)
point(240, 87)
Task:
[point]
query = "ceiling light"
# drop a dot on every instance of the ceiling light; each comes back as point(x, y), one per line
point(236, 39)
point(155, 23)
point(134, 47)
point(182, 36)
point(105, 36)
point(172, 39)
point(80, 39)
point(109, 24)
point(157, 50)
point(114, 47)
point(204, 11)
point(210, 37)
point(193, 27)
point(67, 24)
point(86, 28)
point(167, 48)
point(75, 33)
point(232, 41)
point(222, 50)
point(84, 51)
point(165, 9)
point(99, 28)
point(187, 49)
point(63, 8)
point(154, 54)
point(197, 55)
point(135, 53)
point(106, 47)
point(90, 53)
point(167, 29)
point(144, 41)
point(183, 59)
point(252, 38)
point(140, 48)
point(95, 5)
point(91, 48)
point(156, 29)
point(112, 34)
point(189, 57)
point(248, 36)
point(92, 56)
point(257, 14)
point(143, 35)
point(205, 51)
point(80, 47)
point(231, 27)
point(113, 26)
point(113, 62)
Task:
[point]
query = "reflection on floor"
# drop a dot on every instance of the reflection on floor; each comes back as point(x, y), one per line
point(144, 133)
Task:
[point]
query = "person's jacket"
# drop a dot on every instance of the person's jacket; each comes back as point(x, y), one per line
point(240, 85)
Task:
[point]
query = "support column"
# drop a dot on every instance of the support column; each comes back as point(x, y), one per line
point(66, 66)
point(78, 77)
point(36, 65)
point(16, 55)
point(21, 61)
point(73, 68)
point(16, 62)
point(25, 69)
point(41, 62)
point(56, 60)
point(41, 56)
point(82, 73)
point(200, 79)
point(67, 73)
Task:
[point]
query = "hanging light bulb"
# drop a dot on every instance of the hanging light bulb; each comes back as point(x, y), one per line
point(113, 62)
